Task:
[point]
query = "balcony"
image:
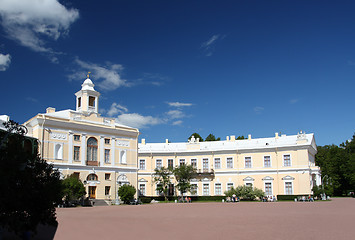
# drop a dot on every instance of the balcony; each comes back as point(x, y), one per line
point(92, 163)
point(205, 173)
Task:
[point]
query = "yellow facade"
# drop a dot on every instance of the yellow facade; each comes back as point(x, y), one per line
point(102, 153)
point(279, 165)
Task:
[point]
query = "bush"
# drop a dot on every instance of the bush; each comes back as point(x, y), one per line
point(245, 193)
point(73, 188)
point(126, 193)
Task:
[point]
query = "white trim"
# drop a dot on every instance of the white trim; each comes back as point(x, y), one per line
point(208, 164)
point(196, 161)
point(291, 187)
point(270, 161)
point(229, 183)
point(221, 193)
point(156, 163)
point(214, 163)
point(251, 162)
point(203, 189)
point(232, 162)
point(283, 159)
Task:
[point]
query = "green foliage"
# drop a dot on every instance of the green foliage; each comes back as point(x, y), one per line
point(73, 188)
point(211, 137)
point(30, 187)
point(162, 178)
point(126, 193)
point(240, 137)
point(245, 193)
point(337, 164)
point(183, 174)
point(196, 135)
point(319, 190)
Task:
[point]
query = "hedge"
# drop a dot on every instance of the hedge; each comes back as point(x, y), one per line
point(289, 197)
point(148, 199)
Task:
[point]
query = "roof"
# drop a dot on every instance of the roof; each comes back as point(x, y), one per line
point(300, 139)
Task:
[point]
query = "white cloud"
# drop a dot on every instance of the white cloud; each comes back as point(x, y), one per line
point(138, 121)
point(5, 61)
point(116, 109)
point(258, 110)
point(31, 22)
point(179, 104)
point(179, 122)
point(293, 101)
point(106, 77)
point(208, 46)
point(174, 114)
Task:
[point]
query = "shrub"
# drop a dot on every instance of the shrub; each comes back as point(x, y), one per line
point(126, 193)
point(245, 193)
point(73, 188)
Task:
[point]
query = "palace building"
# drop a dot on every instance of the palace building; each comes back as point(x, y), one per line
point(99, 151)
point(280, 165)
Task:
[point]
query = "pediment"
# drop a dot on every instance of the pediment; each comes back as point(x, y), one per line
point(288, 177)
point(248, 179)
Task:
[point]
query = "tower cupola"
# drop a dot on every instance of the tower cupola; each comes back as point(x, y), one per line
point(87, 99)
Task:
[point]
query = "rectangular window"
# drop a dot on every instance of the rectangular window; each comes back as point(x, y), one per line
point(182, 162)
point(142, 164)
point(107, 141)
point(142, 189)
point(268, 189)
point(107, 176)
point(76, 153)
point(107, 155)
point(193, 189)
point(170, 163)
point(91, 101)
point(267, 161)
point(194, 163)
point(205, 164)
point(76, 137)
point(76, 174)
point(247, 162)
point(229, 162)
point(157, 191)
point(206, 189)
point(288, 188)
point(287, 160)
point(218, 189)
point(107, 190)
point(79, 102)
point(249, 184)
point(229, 186)
point(158, 163)
point(217, 163)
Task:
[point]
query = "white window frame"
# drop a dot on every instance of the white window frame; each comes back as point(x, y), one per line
point(195, 160)
point(167, 163)
point(109, 155)
point(143, 164)
point(195, 194)
point(181, 160)
point(203, 189)
point(283, 159)
point(227, 185)
point(215, 188)
point(227, 162)
point(270, 161)
point(140, 192)
point(156, 163)
point(288, 181)
point(251, 162)
point(58, 151)
point(208, 164)
point(220, 163)
point(272, 188)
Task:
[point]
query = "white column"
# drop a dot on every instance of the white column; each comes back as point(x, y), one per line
point(102, 150)
point(113, 143)
point(83, 148)
point(70, 150)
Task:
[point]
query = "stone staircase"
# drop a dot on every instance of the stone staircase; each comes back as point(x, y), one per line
point(100, 202)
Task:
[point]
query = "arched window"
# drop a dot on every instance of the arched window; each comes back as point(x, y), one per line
point(58, 151)
point(92, 149)
point(92, 177)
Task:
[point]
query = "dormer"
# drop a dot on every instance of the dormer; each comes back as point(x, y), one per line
point(87, 99)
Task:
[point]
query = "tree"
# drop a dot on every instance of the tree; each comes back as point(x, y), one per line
point(126, 193)
point(183, 175)
point(30, 187)
point(196, 135)
point(162, 178)
point(73, 188)
point(240, 137)
point(211, 137)
point(245, 192)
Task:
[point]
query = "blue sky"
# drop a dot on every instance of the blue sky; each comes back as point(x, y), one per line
point(172, 68)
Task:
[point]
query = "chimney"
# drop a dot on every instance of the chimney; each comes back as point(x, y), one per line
point(276, 135)
point(50, 110)
point(249, 137)
point(233, 138)
point(227, 138)
point(143, 141)
point(166, 141)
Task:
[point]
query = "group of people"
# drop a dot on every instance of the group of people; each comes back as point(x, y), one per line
point(234, 198)
point(184, 199)
point(269, 199)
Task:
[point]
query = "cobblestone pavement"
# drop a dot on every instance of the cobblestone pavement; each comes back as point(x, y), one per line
point(246, 220)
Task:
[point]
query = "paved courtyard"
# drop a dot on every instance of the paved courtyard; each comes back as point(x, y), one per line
point(246, 220)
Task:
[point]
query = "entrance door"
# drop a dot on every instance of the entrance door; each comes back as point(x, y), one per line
point(171, 190)
point(92, 192)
